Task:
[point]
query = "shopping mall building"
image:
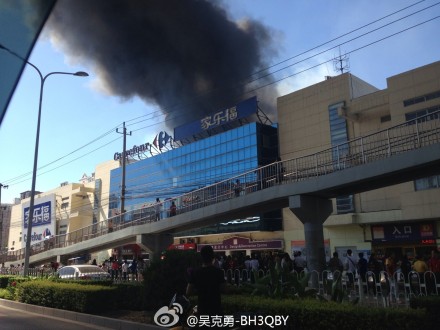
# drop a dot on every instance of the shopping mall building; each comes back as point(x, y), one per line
point(403, 218)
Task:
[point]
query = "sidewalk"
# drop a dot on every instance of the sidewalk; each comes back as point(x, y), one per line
point(105, 322)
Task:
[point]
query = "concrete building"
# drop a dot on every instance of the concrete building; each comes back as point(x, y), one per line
point(61, 210)
point(5, 219)
point(401, 219)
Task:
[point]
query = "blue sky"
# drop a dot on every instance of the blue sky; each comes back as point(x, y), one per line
point(75, 112)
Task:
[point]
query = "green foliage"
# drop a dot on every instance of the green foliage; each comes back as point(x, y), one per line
point(6, 280)
point(431, 304)
point(166, 277)
point(312, 313)
point(129, 296)
point(6, 294)
point(281, 283)
point(69, 296)
point(337, 290)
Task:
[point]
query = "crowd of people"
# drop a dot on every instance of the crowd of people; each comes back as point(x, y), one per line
point(352, 265)
point(260, 261)
point(123, 270)
point(422, 268)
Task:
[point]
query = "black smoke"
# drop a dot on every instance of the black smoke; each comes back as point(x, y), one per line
point(186, 56)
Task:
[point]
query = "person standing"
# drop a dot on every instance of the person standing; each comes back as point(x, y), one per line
point(299, 263)
point(237, 188)
point(208, 283)
point(133, 270)
point(390, 265)
point(157, 209)
point(405, 266)
point(362, 266)
point(420, 267)
point(124, 269)
point(335, 264)
point(173, 209)
point(434, 266)
point(350, 267)
point(115, 269)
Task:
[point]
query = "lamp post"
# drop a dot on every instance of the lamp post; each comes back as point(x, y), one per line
point(37, 140)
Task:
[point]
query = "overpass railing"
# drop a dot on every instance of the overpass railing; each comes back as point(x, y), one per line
point(411, 135)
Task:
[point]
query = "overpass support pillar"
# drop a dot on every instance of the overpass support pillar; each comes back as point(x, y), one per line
point(154, 243)
point(312, 212)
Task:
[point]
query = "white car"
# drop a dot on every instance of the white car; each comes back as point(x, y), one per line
point(83, 272)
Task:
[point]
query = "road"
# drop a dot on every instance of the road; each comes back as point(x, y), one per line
point(14, 319)
point(18, 316)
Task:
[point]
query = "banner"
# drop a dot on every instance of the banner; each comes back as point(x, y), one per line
point(241, 110)
point(43, 220)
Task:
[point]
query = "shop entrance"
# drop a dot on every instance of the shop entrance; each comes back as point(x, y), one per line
point(410, 250)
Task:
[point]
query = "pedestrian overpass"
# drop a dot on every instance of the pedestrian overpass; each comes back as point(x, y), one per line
point(306, 184)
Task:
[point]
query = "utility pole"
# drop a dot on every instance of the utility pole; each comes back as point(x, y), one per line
point(124, 156)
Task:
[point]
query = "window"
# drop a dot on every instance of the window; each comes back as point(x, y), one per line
point(424, 114)
point(386, 118)
point(431, 182)
point(65, 205)
point(420, 99)
point(339, 135)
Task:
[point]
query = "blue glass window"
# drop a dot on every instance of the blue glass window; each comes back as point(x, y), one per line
point(339, 135)
point(189, 167)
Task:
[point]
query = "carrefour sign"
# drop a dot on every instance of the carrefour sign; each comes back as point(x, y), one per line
point(221, 117)
point(43, 219)
point(161, 140)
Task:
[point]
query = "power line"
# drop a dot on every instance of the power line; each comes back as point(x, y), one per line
point(152, 114)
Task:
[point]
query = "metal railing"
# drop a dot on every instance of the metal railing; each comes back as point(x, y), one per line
point(411, 135)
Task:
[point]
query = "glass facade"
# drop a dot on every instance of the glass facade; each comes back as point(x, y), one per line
point(195, 165)
point(339, 135)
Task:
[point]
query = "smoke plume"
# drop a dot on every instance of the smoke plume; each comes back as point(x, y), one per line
point(186, 56)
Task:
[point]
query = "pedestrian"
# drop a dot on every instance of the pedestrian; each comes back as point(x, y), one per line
point(157, 209)
point(434, 267)
point(405, 266)
point(237, 188)
point(420, 266)
point(390, 265)
point(299, 263)
point(173, 209)
point(335, 264)
point(124, 268)
point(362, 266)
point(280, 171)
point(208, 283)
point(350, 267)
point(115, 269)
point(133, 270)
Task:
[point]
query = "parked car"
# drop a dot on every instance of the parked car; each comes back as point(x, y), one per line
point(83, 272)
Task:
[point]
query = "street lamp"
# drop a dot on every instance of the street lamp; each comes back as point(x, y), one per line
point(37, 139)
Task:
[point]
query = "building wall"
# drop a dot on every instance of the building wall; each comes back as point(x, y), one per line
point(103, 173)
point(304, 129)
point(73, 209)
point(5, 218)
